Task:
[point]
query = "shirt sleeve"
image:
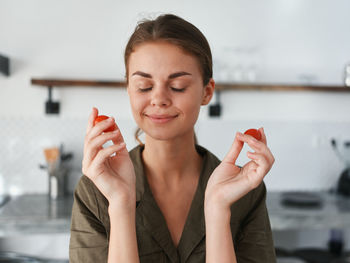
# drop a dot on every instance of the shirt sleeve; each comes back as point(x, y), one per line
point(88, 240)
point(256, 243)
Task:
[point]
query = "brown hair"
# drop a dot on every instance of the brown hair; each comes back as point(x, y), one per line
point(175, 30)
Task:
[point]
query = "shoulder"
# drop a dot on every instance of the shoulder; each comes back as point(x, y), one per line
point(253, 197)
point(136, 151)
point(88, 197)
point(85, 190)
point(209, 158)
point(136, 158)
point(209, 163)
point(252, 203)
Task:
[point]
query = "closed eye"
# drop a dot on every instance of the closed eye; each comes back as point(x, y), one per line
point(177, 90)
point(145, 90)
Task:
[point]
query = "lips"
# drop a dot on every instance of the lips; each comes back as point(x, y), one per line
point(160, 118)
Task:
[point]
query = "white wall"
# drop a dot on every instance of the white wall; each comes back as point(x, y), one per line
point(286, 40)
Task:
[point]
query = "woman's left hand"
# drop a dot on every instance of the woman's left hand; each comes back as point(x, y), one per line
point(229, 182)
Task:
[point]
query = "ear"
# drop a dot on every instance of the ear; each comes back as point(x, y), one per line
point(208, 92)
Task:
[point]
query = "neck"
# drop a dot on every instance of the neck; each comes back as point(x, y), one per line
point(169, 160)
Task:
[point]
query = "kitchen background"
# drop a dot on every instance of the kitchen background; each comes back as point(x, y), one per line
point(270, 41)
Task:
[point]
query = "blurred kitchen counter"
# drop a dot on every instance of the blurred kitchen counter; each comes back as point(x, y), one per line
point(334, 212)
point(37, 214)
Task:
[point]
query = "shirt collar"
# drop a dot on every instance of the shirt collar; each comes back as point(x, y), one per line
point(153, 220)
point(136, 158)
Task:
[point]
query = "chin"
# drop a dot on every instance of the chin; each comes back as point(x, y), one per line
point(167, 134)
point(161, 134)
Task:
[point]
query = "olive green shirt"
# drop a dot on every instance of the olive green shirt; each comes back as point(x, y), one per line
point(90, 226)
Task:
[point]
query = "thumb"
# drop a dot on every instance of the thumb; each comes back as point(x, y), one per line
point(234, 151)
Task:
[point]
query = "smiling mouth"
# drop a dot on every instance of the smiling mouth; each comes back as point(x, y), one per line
point(160, 118)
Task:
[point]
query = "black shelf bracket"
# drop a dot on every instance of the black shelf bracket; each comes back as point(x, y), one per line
point(51, 107)
point(216, 108)
point(4, 65)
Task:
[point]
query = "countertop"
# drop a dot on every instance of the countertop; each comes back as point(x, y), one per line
point(37, 214)
point(334, 212)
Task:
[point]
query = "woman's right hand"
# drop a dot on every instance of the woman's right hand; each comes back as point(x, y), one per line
point(109, 168)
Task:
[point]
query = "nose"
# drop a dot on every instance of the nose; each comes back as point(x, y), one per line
point(160, 97)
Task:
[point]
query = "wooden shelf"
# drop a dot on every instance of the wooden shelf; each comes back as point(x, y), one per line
point(76, 83)
point(282, 87)
point(219, 86)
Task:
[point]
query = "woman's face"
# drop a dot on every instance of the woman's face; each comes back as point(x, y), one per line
point(166, 90)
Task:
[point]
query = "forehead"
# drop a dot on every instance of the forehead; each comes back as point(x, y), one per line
point(162, 57)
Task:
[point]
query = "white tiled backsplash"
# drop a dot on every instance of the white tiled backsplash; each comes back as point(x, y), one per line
point(304, 157)
point(21, 151)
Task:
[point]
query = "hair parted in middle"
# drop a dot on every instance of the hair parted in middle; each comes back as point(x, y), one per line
point(175, 30)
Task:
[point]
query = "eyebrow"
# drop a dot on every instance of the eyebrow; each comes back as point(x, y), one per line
point(171, 76)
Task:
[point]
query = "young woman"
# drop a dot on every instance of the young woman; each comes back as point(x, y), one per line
point(169, 199)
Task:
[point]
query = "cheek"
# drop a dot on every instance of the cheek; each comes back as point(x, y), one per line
point(137, 104)
point(191, 106)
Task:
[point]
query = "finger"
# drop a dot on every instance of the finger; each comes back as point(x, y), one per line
point(95, 145)
point(120, 138)
point(99, 128)
point(269, 155)
point(105, 153)
point(264, 165)
point(260, 146)
point(252, 166)
point(263, 136)
point(254, 176)
point(256, 145)
point(92, 117)
point(234, 151)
